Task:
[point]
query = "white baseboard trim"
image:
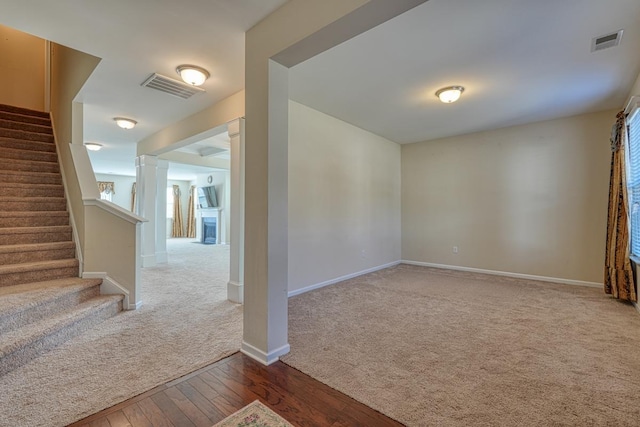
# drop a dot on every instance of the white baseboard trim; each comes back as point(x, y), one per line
point(507, 274)
point(148, 260)
point(110, 286)
point(235, 292)
point(340, 279)
point(162, 257)
point(635, 304)
point(262, 357)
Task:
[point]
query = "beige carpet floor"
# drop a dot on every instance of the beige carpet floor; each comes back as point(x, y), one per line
point(185, 323)
point(434, 347)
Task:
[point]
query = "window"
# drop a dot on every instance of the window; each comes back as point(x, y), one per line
point(106, 189)
point(633, 178)
point(106, 196)
point(169, 202)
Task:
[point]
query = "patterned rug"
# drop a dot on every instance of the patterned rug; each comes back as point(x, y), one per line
point(254, 414)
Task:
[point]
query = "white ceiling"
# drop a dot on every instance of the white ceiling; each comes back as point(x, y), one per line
point(134, 40)
point(519, 60)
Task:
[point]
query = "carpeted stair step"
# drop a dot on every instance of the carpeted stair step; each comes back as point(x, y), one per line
point(23, 111)
point(19, 346)
point(30, 177)
point(33, 204)
point(43, 302)
point(24, 118)
point(20, 254)
point(16, 274)
point(30, 166)
point(26, 235)
point(12, 189)
point(26, 136)
point(18, 154)
point(33, 218)
point(32, 302)
point(19, 144)
point(26, 127)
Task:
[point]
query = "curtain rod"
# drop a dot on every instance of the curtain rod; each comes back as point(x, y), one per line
point(633, 101)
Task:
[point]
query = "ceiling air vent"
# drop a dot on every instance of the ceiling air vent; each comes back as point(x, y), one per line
point(171, 86)
point(606, 41)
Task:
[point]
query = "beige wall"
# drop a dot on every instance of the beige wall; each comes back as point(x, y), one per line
point(528, 199)
point(22, 67)
point(344, 198)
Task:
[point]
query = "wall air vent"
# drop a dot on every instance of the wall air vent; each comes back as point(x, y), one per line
point(171, 86)
point(606, 41)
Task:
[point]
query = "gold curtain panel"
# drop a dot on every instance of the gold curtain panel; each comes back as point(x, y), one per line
point(618, 279)
point(133, 198)
point(191, 213)
point(178, 226)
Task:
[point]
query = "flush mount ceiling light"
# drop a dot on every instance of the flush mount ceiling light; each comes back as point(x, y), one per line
point(125, 123)
point(192, 74)
point(450, 94)
point(93, 146)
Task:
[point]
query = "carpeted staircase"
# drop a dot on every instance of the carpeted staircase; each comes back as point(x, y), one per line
point(43, 302)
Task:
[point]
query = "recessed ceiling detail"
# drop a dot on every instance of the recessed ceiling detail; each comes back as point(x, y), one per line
point(171, 86)
point(606, 41)
point(211, 151)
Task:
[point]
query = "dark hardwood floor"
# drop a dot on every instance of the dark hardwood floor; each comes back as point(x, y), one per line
point(210, 394)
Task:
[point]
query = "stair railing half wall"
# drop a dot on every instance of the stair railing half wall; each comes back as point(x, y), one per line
point(112, 235)
point(107, 237)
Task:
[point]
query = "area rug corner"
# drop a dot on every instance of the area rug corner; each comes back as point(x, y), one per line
point(254, 414)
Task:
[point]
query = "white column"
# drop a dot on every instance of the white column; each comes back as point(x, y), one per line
point(266, 211)
point(235, 287)
point(147, 192)
point(161, 210)
point(320, 26)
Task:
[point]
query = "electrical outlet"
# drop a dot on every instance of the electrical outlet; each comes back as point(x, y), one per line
point(455, 249)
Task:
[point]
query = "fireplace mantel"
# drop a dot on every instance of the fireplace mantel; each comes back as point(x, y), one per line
point(209, 213)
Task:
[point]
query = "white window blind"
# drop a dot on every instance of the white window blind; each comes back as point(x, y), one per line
point(633, 183)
